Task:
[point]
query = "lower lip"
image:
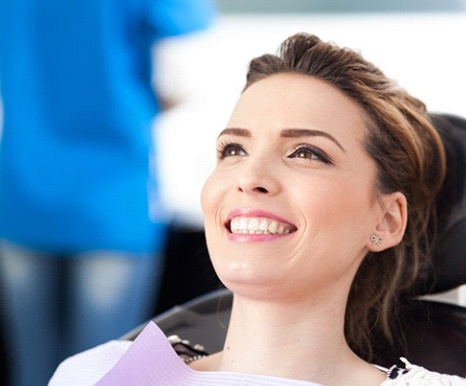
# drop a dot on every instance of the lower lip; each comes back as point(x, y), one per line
point(254, 238)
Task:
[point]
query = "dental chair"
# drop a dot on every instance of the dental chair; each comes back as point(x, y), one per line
point(434, 330)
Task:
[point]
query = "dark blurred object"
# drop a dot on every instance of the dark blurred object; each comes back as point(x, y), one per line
point(448, 265)
point(5, 352)
point(433, 335)
point(188, 272)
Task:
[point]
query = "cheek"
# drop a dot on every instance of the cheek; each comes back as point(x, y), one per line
point(208, 199)
point(208, 195)
point(212, 201)
point(339, 212)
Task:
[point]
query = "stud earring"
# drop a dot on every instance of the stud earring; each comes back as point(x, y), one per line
point(376, 240)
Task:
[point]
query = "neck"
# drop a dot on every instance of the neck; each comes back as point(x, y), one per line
point(301, 340)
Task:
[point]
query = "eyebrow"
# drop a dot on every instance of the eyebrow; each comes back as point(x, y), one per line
point(298, 133)
point(235, 131)
point(285, 133)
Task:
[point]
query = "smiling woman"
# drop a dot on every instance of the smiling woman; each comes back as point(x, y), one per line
point(291, 153)
point(319, 215)
point(397, 132)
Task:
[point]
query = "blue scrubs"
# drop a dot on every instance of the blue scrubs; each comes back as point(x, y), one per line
point(81, 223)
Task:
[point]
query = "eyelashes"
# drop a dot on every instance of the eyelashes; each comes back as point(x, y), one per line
point(230, 149)
point(311, 153)
point(303, 152)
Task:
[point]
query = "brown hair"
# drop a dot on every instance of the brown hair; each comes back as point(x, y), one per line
point(410, 158)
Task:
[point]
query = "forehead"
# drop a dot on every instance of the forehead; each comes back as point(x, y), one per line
point(298, 101)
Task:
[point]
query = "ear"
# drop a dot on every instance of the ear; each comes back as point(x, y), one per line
point(392, 222)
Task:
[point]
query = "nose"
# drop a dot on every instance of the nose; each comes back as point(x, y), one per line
point(255, 189)
point(258, 178)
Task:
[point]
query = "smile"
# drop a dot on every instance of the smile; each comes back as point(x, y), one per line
point(259, 225)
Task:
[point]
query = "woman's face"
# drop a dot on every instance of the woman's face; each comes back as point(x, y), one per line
point(291, 205)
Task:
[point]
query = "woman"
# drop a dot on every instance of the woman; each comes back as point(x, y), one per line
point(307, 222)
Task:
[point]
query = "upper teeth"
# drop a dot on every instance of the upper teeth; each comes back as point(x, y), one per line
point(258, 225)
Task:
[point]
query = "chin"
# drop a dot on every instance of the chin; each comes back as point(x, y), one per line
point(253, 283)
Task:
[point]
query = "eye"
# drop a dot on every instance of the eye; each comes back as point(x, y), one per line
point(230, 150)
point(311, 153)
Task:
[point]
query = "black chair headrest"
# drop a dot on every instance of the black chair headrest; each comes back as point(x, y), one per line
point(449, 254)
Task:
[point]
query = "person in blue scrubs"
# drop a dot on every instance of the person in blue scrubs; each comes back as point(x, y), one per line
point(81, 222)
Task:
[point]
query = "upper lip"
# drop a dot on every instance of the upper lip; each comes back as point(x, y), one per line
point(249, 212)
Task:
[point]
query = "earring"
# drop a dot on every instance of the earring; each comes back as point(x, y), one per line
point(376, 240)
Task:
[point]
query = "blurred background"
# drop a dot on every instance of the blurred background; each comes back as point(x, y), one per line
point(417, 42)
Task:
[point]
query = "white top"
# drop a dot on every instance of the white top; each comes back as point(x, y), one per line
point(151, 360)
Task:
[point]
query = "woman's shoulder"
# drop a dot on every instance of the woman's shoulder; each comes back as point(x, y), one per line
point(417, 375)
point(87, 367)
